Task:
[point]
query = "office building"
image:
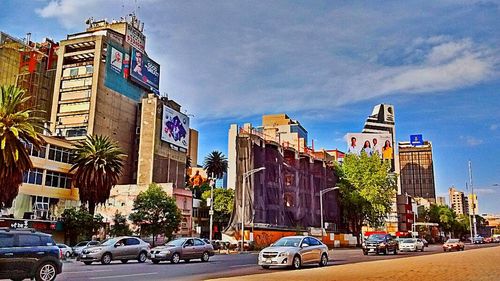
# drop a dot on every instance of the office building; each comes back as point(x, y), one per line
point(457, 201)
point(417, 170)
point(441, 201)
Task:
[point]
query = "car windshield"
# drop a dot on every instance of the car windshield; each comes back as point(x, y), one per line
point(287, 242)
point(81, 244)
point(452, 241)
point(108, 242)
point(176, 243)
point(376, 237)
point(409, 240)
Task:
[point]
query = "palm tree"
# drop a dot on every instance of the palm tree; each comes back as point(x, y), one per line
point(17, 128)
point(215, 164)
point(98, 163)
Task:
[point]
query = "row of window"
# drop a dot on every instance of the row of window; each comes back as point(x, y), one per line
point(53, 179)
point(24, 240)
point(56, 153)
point(79, 70)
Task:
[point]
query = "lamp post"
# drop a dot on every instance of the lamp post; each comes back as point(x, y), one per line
point(245, 176)
point(211, 212)
point(321, 192)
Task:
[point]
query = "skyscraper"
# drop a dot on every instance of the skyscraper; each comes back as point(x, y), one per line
point(417, 170)
point(457, 201)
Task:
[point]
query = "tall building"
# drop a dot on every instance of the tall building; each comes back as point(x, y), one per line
point(417, 170)
point(193, 147)
point(441, 201)
point(473, 207)
point(457, 201)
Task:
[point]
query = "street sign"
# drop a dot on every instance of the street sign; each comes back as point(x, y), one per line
point(211, 212)
point(416, 140)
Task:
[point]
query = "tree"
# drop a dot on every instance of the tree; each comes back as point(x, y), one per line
point(223, 204)
point(98, 164)
point(366, 190)
point(18, 128)
point(215, 164)
point(80, 223)
point(120, 226)
point(156, 213)
point(444, 216)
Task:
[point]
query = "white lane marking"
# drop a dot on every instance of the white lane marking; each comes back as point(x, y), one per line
point(243, 265)
point(120, 276)
point(90, 271)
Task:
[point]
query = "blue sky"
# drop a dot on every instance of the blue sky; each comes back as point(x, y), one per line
point(325, 63)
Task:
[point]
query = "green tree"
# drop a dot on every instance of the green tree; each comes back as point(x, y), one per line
point(444, 216)
point(98, 163)
point(223, 204)
point(120, 226)
point(17, 128)
point(366, 190)
point(79, 223)
point(215, 164)
point(156, 213)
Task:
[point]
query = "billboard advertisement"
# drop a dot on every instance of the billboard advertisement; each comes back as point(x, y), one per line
point(370, 144)
point(145, 71)
point(175, 128)
point(117, 72)
point(416, 140)
point(135, 38)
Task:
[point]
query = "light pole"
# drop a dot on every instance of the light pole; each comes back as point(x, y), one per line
point(211, 212)
point(321, 192)
point(245, 176)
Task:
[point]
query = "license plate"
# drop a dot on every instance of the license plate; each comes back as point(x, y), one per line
point(84, 256)
point(268, 261)
point(152, 256)
point(371, 250)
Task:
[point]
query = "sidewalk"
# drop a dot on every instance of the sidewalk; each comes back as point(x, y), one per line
point(470, 265)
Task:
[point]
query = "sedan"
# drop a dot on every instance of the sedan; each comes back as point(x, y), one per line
point(294, 251)
point(122, 248)
point(182, 249)
point(77, 249)
point(66, 250)
point(411, 244)
point(453, 244)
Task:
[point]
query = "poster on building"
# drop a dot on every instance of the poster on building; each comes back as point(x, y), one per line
point(175, 128)
point(116, 60)
point(145, 71)
point(370, 144)
point(135, 38)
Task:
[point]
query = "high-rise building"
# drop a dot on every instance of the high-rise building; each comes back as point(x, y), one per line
point(417, 170)
point(441, 201)
point(472, 207)
point(457, 201)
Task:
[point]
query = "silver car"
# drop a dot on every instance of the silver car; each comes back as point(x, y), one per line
point(294, 251)
point(182, 249)
point(66, 250)
point(77, 249)
point(123, 248)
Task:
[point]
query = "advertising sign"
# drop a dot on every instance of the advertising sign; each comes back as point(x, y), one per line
point(416, 140)
point(145, 71)
point(135, 38)
point(175, 128)
point(117, 73)
point(370, 144)
point(116, 60)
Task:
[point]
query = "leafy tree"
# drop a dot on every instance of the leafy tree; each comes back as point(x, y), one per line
point(223, 204)
point(98, 164)
point(215, 164)
point(18, 127)
point(120, 226)
point(79, 223)
point(156, 213)
point(366, 190)
point(444, 216)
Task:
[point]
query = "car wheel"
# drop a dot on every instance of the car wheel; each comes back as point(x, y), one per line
point(142, 257)
point(67, 255)
point(324, 260)
point(395, 251)
point(87, 262)
point(124, 261)
point(444, 250)
point(106, 258)
point(175, 258)
point(46, 272)
point(265, 266)
point(205, 257)
point(365, 253)
point(297, 263)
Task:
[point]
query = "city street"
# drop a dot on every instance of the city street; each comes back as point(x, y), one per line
point(218, 267)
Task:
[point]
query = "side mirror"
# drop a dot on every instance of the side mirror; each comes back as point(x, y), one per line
point(272, 244)
point(305, 245)
point(117, 245)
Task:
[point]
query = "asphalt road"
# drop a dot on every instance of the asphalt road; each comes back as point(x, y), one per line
point(218, 266)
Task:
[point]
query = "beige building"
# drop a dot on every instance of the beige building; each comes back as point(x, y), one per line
point(473, 207)
point(193, 147)
point(457, 201)
point(441, 201)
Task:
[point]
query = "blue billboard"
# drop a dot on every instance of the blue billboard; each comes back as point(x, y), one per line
point(145, 71)
point(416, 140)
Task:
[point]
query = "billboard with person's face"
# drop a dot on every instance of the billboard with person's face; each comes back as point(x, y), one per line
point(145, 71)
point(370, 144)
point(175, 128)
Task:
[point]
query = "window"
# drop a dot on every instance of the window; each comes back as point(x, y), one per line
point(93, 243)
point(28, 240)
point(90, 69)
point(59, 154)
point(33, 176)
point(34, 152)
point(6, 240)
point(56, 179)
point(73, 95)
point(73, 72)
point(198, 242)
point(131, 241)
point(47, 241)
point(314, 242)
point(306, 241)
point(189, 242)
point(76, 106)
point(76, 132)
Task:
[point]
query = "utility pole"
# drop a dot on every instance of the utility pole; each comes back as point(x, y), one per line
point(211, 212)
point(473, 200)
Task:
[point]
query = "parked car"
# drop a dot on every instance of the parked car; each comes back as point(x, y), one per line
point(28, 254)
point(182, 249)
point(66, 250)
point(380, 243)
point(426, 244)
point(488, 240)
point(411, 244)
point(294, 251)
point(478, 240)
point(122, 248)
point(77, 249)
point(453, 244)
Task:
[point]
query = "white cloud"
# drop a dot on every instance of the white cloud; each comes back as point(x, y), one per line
point(494, 127)
point(471, 141)
point(485, 191)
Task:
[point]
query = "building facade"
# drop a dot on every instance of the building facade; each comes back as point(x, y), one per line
point(473, 205)
point(417, 170)
point(457, 201)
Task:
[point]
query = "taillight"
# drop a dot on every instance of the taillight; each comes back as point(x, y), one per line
point(60, 254)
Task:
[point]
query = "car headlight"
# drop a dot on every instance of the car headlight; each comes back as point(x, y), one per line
point(93, 251)
point(283, 254)
point(167, 252)
point(363, 244)
point(382, 244)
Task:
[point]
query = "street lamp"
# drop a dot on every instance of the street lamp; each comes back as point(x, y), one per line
point(211, 211)
point(321, 192)
point(245, 176)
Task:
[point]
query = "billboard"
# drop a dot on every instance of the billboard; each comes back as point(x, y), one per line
point(175, 128)
point(117, 72)
point(370, 144)
point(135, 38)
point(145, 71)
point(416, 140)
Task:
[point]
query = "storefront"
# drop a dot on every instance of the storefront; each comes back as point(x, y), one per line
point(55, 228)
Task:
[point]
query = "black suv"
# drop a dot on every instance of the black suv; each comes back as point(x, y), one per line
point(380, 243)
point(28, 254)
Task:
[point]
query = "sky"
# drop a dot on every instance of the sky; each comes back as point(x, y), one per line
point(324, 63)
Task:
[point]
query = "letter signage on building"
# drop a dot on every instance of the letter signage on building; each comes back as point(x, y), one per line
point(175, 128)
point(145, 71)
point(135, 38)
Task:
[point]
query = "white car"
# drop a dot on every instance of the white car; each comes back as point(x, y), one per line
point(66, 250)
point(411, 244)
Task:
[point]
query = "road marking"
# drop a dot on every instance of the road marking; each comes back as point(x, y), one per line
point(90, 271)
point(243, 265)
point(120, 276)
